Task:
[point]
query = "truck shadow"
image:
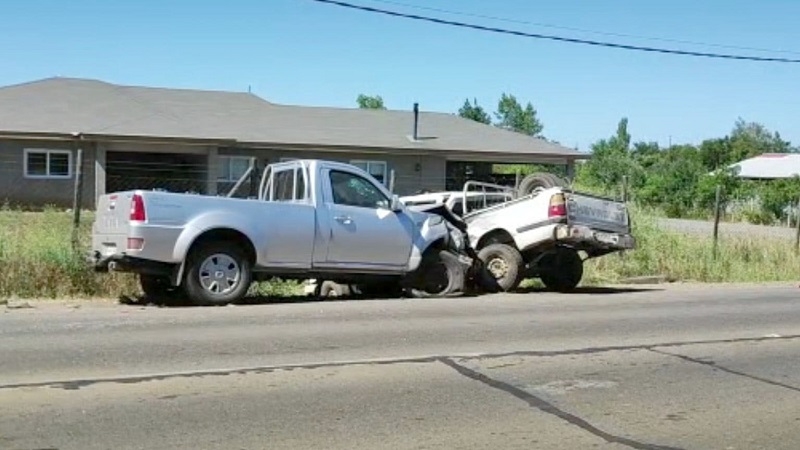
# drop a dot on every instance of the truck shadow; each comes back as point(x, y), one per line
point(591, 290)
point(182, 302)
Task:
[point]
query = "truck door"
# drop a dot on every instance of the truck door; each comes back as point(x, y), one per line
point(364, 231)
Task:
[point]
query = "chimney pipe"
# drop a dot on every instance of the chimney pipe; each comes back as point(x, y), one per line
point(416, 119)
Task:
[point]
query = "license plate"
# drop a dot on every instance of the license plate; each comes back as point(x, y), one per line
point(607, 238)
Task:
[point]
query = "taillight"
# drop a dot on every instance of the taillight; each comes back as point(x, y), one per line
point(137, 209)
point(558, 207)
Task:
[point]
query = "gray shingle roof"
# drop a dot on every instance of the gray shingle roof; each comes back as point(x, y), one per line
point(67, 105)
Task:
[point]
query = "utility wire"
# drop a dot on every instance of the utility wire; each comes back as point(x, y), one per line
point(581, 30)
point(557, 38)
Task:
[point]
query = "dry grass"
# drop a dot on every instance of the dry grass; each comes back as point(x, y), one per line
point(38, 262)
point(681, 257)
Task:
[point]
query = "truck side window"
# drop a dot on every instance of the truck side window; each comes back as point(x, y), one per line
point(353, 190)
point(283, 186)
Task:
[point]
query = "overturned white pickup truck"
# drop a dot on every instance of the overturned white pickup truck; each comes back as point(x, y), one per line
point(545, 230)
point(311, 219)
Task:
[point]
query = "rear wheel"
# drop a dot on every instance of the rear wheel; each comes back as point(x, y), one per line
point(561, 271)
point(502, 265)
point(217, 274)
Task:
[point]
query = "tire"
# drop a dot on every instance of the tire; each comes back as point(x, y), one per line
point(219, 257)
point(562, 272)
point(331, 289)
point(504, 265)
point(445, 266)
point(539, 181)
point(159, 288)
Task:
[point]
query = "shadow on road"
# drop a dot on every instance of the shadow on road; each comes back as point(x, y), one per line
point(592, 290)
point(182, 302)
point(267, 300)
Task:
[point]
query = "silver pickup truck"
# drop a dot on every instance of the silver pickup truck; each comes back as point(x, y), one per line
point(311, 219)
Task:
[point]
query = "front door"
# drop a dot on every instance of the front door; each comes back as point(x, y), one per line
point(364, 231)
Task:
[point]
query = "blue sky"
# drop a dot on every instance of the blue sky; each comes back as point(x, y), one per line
point(308, 53)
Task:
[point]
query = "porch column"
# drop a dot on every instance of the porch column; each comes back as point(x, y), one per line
point(570, 169)
point(99, 171)
point(211, 174)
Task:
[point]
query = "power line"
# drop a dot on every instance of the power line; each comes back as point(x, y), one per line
point(556, 38)
point(581, 30)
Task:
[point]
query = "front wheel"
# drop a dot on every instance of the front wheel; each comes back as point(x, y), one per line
point(440, 275)
point(217, 274)
point(331, 289)
point(502, 264)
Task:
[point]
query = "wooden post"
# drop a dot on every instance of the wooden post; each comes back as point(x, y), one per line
point(77, 198)
point(716, 219)
point(797, 233)
point(391, 181)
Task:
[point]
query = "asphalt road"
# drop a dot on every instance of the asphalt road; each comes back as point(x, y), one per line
point(689, 367)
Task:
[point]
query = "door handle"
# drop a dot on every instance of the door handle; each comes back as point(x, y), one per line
point(347, 220)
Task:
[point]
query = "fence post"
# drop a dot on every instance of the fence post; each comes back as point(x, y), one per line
point(77, 198)
point(391, 181)
point(517, 179)
point(716, 219)
point(797, 233)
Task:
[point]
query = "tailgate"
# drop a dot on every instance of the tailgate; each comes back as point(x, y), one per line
point(603, 214)
point(113, 212)
point(111, 224)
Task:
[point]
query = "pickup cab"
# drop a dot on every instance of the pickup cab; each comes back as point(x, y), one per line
point(545, 232)
point(310, 219)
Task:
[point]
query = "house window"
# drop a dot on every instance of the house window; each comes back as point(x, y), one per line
point(231, 168)
point(375, 168)
point(48, 164)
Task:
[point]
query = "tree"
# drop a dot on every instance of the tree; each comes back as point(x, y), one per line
point(475, 112)
point(612, 159)
point(512, 116)
point(749, 139)
point(370, 102)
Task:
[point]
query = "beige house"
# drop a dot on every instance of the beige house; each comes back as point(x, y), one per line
point(202, 141)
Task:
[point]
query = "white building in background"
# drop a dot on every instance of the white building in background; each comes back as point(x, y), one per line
point(769, 166)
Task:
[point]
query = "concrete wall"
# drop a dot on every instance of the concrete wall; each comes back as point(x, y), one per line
point(19, 190)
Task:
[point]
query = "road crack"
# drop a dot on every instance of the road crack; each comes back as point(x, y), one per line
point(75, 384)
point(726, 369)
point(548, 408)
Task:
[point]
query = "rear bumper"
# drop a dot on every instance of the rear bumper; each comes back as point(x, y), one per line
point(125, 263)
point(586, 237)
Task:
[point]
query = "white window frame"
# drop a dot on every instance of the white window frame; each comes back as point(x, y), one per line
point(225, 160)
point(369, 162)
point(47, 152)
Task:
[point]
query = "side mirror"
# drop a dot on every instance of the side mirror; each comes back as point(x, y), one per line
point(395, 204)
